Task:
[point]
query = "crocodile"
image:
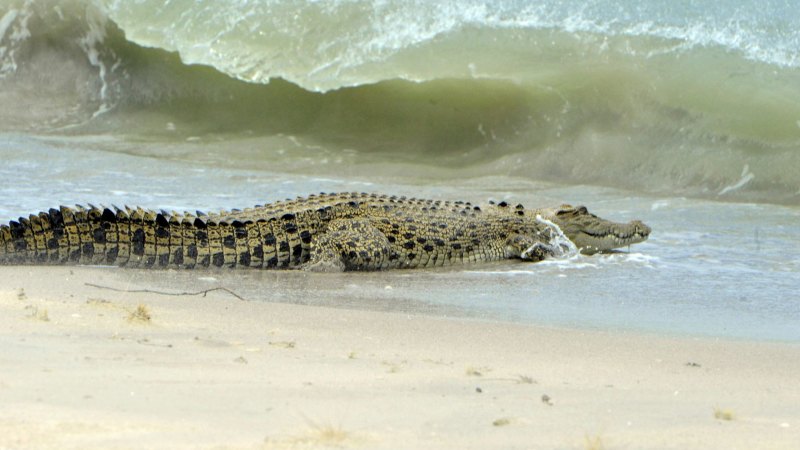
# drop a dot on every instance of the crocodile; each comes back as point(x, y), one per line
point(321, 232)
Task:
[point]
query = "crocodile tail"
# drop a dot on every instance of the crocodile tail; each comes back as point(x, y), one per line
point(17, 238)
point(87, 236)
point(6, 242)
point(143, 238)
point(51, 237)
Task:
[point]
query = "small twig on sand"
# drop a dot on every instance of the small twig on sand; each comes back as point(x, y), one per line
point(150, 291)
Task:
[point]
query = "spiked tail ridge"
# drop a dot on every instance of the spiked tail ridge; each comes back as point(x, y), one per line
point(142, 238)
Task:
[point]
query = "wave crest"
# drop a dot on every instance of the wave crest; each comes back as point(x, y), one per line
point(580, 94)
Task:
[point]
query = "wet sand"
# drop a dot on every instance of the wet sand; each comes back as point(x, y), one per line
point(87, 367)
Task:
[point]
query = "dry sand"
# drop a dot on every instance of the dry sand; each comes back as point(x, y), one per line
point(87, 368)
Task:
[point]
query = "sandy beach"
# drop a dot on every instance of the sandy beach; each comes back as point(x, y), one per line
point(87, 367)
point(682, 115)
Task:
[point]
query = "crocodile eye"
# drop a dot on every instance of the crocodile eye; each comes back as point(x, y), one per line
point(582, 210)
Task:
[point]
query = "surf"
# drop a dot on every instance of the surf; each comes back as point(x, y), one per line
point(649, 98)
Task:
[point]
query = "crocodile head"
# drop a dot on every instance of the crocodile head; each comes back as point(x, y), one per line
point(592, 234)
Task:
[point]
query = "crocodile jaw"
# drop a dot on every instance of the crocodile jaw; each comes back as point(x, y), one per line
point(609, 238)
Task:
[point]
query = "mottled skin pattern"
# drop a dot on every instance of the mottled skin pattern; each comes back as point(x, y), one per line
point(326, 232)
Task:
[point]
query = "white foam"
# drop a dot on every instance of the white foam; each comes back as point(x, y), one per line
point(659, 204)
point(6, 21)
point(747, 177)
point(560, 242)
point(351, 41)
point(19, 33)
point(91, 43)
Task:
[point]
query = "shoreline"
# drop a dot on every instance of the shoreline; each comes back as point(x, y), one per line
point(88, 368)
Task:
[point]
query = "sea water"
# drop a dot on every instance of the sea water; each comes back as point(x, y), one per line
point(685, 115)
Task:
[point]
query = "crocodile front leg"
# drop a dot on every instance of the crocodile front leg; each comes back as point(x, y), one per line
point(527, 248)
point(349, 244)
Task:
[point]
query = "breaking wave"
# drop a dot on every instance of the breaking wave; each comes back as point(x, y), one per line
point(690, 98)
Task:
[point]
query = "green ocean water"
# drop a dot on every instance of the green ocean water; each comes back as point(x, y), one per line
point(684, 114)
point(690, 99)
